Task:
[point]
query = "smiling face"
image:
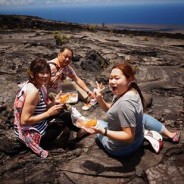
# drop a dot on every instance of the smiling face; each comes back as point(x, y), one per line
point(118, 82)
point(39, 72)
point(65, 57)
point(43, 77)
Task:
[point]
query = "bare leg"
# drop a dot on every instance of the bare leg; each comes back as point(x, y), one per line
point(168, 134)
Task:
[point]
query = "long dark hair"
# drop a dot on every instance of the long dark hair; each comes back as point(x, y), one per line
point(128, 71)
point(37, 65)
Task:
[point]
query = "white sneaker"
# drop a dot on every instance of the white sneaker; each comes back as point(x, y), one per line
point(156, 145)
point(154, 138)
point(93, 101)
point(87, 106)
point(153, 134)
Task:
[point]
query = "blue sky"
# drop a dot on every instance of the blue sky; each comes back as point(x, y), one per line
point(14, 3)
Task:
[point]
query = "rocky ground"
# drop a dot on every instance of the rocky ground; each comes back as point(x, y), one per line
point(159, 63)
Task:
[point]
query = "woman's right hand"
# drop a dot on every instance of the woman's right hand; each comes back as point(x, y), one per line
point(98, 91)
point(55, 109)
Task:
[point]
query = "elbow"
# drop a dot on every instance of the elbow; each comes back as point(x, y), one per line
point(23, 123)
point(130, 140)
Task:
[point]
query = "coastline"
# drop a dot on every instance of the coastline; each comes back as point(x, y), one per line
point(21, 22)
point(145, 27)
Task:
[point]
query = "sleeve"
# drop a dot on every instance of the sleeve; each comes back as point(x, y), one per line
point(126, 114)
point(71, 72)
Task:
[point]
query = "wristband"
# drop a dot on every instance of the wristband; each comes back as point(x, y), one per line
point(105, 133)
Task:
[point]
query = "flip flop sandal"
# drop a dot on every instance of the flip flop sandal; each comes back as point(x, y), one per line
point(176, 137)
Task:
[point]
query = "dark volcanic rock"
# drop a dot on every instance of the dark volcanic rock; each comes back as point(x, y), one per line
point(158, 60)
point(94, 62)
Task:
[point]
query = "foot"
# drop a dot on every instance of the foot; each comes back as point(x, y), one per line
point(93, 102)
point(87, 106)
point(176, 137)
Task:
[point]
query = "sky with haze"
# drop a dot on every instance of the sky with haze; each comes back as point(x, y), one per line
point(17, 3)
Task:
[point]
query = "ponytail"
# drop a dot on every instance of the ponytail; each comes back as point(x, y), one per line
point(136, 87)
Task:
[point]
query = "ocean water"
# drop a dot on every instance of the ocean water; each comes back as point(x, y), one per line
point(170, 14)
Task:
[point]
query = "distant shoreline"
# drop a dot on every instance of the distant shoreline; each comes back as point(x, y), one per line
point(35, 22)
point(146, 27)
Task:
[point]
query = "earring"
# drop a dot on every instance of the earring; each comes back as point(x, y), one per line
point(129, 84)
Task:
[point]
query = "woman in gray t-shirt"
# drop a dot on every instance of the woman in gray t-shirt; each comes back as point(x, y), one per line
point(122, 132)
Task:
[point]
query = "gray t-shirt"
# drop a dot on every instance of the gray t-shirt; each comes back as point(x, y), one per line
point(127, 111)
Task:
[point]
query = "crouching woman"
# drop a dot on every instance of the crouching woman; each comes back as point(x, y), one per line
point(34, 114)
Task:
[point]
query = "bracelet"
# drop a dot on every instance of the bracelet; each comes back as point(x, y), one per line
point(105, 133)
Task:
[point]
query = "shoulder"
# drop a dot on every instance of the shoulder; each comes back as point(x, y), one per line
point(132, 93)
point(127, 101)
point(52, 61)
point(32, 90)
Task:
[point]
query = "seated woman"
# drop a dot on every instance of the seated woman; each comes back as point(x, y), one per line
point(34, 115)
point(123, 131)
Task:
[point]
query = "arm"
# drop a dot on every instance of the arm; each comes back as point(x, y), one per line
point(102, 103)
point(126, 135)
point(81, 84)
point(31, 101)
point(127, 119)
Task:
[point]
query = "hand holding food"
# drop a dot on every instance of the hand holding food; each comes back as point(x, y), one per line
point(55, 109)
point(89, 123)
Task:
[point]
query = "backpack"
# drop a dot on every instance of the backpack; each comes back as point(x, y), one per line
point(57, 69)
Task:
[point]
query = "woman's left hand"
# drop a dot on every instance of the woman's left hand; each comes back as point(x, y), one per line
point(92, 130)
point(57, 98)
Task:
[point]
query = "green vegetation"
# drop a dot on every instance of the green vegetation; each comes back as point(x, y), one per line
point(145, 39)
point(92, 28)
point(60, 38)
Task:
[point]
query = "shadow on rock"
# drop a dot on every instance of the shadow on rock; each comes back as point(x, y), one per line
point(128, 163)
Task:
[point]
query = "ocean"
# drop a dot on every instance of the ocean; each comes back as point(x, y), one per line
point(170, 14)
